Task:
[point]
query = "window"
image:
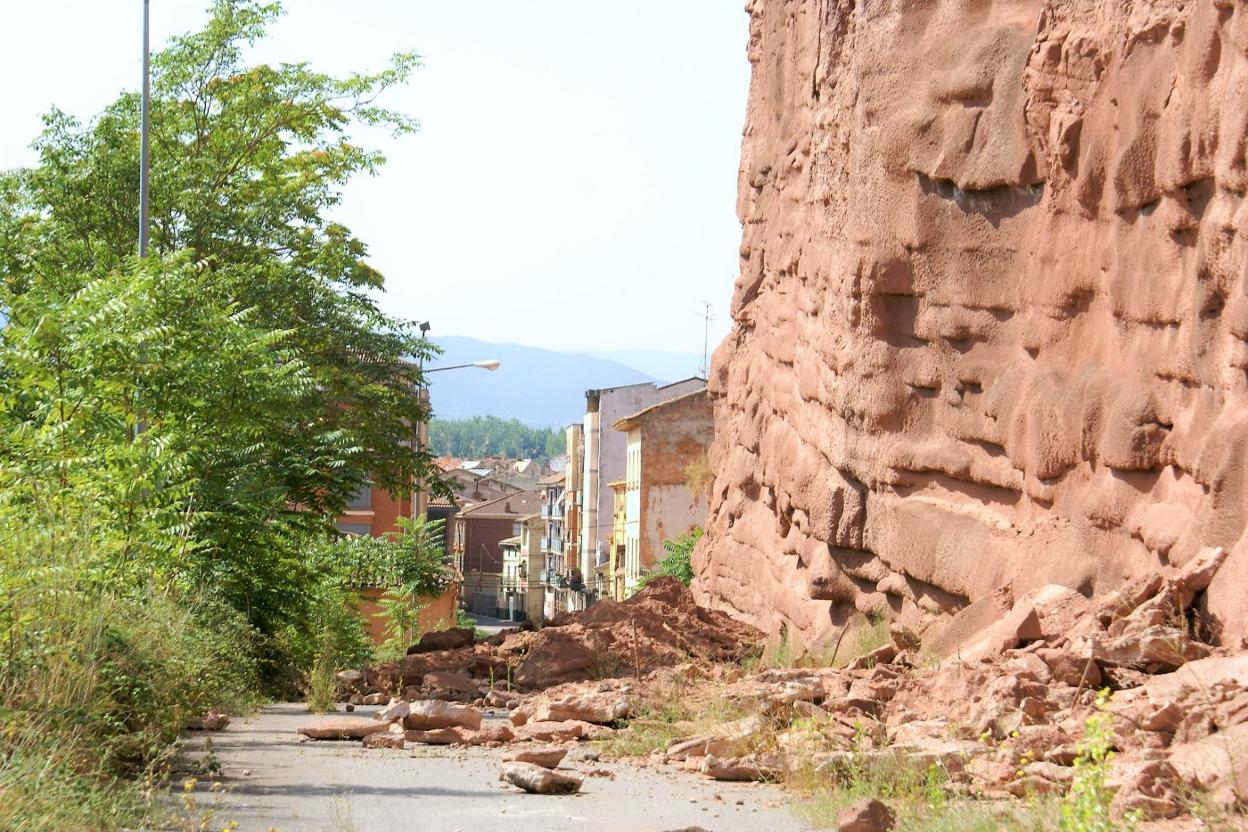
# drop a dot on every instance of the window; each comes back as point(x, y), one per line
point(362, 501)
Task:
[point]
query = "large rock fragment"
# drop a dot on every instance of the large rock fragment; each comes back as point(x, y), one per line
point(763, 767)
point(538, 780)
point(546, 757)
point(564, 731)
point(1157, 648)
point(442, 640)
point(429, 714)
point(600, 707)
point(1216, 765)
point(867, 815)
point(342, 728)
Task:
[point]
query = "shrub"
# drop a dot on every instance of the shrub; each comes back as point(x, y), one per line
point(1087, 804)
point(96, 681)
point(678, 563)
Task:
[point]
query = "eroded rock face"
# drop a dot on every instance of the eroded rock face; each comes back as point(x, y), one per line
point(991, 327)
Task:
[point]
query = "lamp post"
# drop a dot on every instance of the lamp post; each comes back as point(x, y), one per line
point(422, 434)
point(145, 128)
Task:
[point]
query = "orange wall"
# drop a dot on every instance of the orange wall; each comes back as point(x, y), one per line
point(385, 513)
point(435, 613)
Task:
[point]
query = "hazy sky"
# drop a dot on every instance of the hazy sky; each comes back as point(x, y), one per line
point(572, 185)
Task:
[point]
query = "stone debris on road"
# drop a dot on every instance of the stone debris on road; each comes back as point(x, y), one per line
point(536, 779)
point(996, 697)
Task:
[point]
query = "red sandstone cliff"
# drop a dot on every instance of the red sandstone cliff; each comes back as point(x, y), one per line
point(991, 328)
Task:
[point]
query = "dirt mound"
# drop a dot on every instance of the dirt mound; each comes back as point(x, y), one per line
point(658, 627)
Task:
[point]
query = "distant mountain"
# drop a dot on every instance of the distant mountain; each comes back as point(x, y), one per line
point(665, 366)
point(542, 388)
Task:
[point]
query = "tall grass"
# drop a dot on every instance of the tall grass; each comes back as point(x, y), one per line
point(97, 676)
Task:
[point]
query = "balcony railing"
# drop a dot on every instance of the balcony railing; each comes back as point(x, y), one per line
point(552, 544)
point(552, 512)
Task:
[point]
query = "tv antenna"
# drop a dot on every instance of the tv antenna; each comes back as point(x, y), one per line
point(706, 336)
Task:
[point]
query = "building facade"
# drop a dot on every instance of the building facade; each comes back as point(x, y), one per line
point(619, 534)
point(661, 443)
point(477, 549)
point(520, 593)
point(603, 462)
point(554, 542)
point(374, 512)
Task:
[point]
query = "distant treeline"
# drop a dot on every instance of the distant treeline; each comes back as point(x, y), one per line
point(491, 436)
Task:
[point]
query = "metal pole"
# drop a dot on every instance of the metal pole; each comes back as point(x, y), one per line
point(144, 129)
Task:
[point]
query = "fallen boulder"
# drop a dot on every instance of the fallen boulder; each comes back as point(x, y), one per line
point(342, 728)
point(437, 736)
point(599, 707)
point(763, 767)
point(867, 815)
point(535, 779)
point(443, 640)
point(430, 714)
point(396, 711)
point(548, 757)
point(385, 739)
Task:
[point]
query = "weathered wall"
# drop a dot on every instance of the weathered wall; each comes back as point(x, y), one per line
point(435, 613)
point(991, 327)
point(605, 454)
point(672, 436)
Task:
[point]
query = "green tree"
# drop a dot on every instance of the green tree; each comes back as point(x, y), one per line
point(493, 436)
point(212, 406)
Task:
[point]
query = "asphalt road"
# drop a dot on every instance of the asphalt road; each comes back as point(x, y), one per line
point(273, 781)
point(490, 626)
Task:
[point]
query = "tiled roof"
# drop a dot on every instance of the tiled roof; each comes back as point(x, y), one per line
point(520, 504)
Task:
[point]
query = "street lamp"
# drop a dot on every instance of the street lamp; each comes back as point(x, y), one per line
point(145, 128)
point(421, 506)
point(490, 364)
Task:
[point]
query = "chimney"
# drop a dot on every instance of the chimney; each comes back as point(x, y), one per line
point(507, 507)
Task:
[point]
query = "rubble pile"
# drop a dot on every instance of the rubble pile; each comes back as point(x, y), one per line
point(1003, 713)
point(997, 698)
point(659, 626)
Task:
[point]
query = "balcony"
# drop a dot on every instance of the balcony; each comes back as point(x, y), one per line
point(552, 578)
point(552, 544)
point(550, 512)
